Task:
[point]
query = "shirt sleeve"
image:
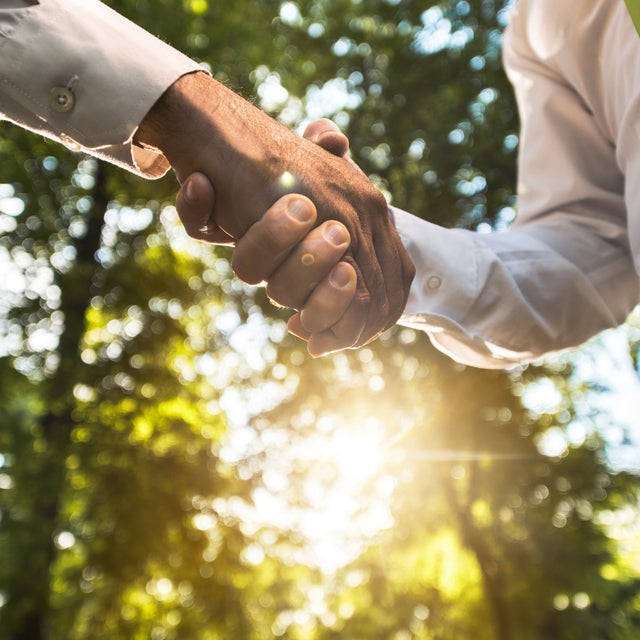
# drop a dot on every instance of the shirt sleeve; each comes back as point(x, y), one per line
point(564, 271)
point(78, 72)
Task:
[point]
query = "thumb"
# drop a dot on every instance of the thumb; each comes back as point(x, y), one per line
point(195, 203)
point(327, 135)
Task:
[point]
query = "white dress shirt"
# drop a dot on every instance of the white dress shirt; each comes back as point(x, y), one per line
point(565, 270)
point(78, 72)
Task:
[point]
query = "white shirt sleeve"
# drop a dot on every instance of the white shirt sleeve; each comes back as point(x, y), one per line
point(78, 72)
point(564, 271)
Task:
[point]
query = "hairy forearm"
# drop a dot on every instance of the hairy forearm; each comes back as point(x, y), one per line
point(167, 125)
point(251, 160)
point(201, 125)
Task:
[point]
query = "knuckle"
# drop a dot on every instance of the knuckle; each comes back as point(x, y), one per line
point(244, 273)
point(282, 295)
point(269, 234)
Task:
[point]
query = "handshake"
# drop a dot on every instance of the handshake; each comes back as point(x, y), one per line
point(303, 218)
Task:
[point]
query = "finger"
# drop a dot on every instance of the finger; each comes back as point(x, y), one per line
point(327, 135)
point(330, 299)
point(308, 264)
point(326, 342)
point(294, 327)
point(267, 242)
point(396, 266)
point(195, 202)
point(344, 334)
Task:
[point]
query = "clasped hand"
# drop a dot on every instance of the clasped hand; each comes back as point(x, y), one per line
point(300, 260)
point(303, 217)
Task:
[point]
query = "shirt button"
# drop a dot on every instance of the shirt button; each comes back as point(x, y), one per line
point(61, 99)
point(434, 282)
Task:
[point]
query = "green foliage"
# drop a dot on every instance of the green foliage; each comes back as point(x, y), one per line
point(172, 466)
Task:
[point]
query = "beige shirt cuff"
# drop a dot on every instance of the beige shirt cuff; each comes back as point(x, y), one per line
point(78, 72)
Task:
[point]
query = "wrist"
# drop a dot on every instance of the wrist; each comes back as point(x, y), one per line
point(168, 125)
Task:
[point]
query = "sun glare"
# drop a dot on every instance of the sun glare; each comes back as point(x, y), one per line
point(349, 508)
point(328, 485)
point(323, 477)
point(358, 451)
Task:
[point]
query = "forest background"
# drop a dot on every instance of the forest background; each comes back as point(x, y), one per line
point(174, 466)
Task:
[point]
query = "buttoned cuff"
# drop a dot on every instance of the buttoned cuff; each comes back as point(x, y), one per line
point(446, 275)
point(445, 289)
point(80, 73)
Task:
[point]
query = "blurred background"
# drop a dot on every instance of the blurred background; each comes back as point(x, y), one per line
point(174, 466)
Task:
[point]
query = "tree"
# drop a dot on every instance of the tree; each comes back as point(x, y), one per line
point(173, 466)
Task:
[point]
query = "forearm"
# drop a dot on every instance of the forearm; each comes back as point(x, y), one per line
point(251, 159)
point(198, 122)
point(109, 66)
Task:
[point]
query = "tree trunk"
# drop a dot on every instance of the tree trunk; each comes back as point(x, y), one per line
point(56, 426)
point(472, 538)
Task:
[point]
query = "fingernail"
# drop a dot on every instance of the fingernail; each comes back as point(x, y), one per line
point(300, 210)
point(336, 234)
point(340, 277)
point(318, 137)
point(303, 314)
point(190, 191)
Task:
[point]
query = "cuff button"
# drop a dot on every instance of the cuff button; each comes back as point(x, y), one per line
point(434, 282)
point(61, 99)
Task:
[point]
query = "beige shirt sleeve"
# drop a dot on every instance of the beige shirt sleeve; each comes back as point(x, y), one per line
point(78, 72)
